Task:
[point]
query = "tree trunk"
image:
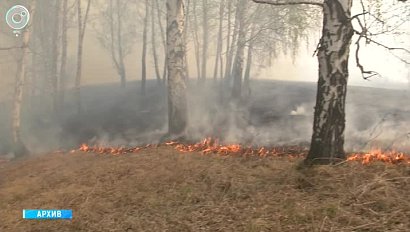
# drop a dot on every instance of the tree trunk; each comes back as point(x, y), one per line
point(154, 45)
point(219, 46)
point(246, 83)
point(122, 70)
point(228, 40)
point(81, 32)
point(177, 102)
point(54, 52)
point(144, 50)
point(196, 41)
point(205, 39)
point(333, 55)
point(237, 71)
point(63, 63)
point(186, 38)
point(229, 67)
point(19, 149)
point(164, 73)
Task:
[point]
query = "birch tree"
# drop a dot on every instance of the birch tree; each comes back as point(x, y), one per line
point(327, 144)
point(333, 55)
point(177, 102)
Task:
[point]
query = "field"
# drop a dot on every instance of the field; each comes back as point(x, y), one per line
point(161, 189)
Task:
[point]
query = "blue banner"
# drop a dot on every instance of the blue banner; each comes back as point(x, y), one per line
point(47, 214)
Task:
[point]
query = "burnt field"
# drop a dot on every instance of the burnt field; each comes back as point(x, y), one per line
point(162, 189)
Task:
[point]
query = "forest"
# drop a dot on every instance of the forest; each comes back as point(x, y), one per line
point(206, 115)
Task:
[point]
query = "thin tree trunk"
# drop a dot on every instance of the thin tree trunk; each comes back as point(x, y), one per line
point(186, 38)
point(54, 52)
point(63, 63)
point(205, 39)
point(122, 71)
point(232, 55)
point(246, 83)
point(229, 62)
point(333, 55)
point(237, 72)
point(154, 45)
point(144, 50)
point(219, 46)
point(228, 40)
point(164, 73)
point(81, 32)
point(177, 102)
point(19, 148)
point(196, 42)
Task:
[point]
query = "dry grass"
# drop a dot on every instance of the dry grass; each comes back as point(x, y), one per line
point(162, 190)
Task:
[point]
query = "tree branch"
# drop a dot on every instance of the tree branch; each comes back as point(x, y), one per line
point(10, 48)
point(289, 2)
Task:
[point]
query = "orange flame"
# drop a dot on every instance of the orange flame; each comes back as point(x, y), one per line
point(212, 146)
point(392, 157)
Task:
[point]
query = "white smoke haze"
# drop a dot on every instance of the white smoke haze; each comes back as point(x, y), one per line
point(277, 113)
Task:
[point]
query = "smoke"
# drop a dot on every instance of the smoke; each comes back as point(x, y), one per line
point(276, 113)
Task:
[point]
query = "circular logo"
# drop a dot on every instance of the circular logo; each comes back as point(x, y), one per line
point(17, 17)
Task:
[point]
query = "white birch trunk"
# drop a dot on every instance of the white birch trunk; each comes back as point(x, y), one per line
point(177, 102)
point(333, 55)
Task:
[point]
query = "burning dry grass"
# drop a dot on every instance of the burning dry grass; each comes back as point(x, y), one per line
point(212, 146)
point(162, 189)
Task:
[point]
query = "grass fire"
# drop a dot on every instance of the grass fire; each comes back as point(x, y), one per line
point(211, 146)
point(205, 115)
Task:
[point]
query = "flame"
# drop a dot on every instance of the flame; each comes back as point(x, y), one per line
point(212, 146)
point(392, 157)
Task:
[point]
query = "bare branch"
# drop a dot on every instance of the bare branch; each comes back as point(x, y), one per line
point(10, 48)
point(365, 74)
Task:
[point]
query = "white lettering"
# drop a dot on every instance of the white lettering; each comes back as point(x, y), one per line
point(53, 213)
point(39, 214)
point(59, 214)
point(43, 213)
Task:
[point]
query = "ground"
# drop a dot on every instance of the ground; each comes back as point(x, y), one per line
point(161, 189)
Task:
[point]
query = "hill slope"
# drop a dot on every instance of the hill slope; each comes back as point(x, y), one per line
point(160, 189)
